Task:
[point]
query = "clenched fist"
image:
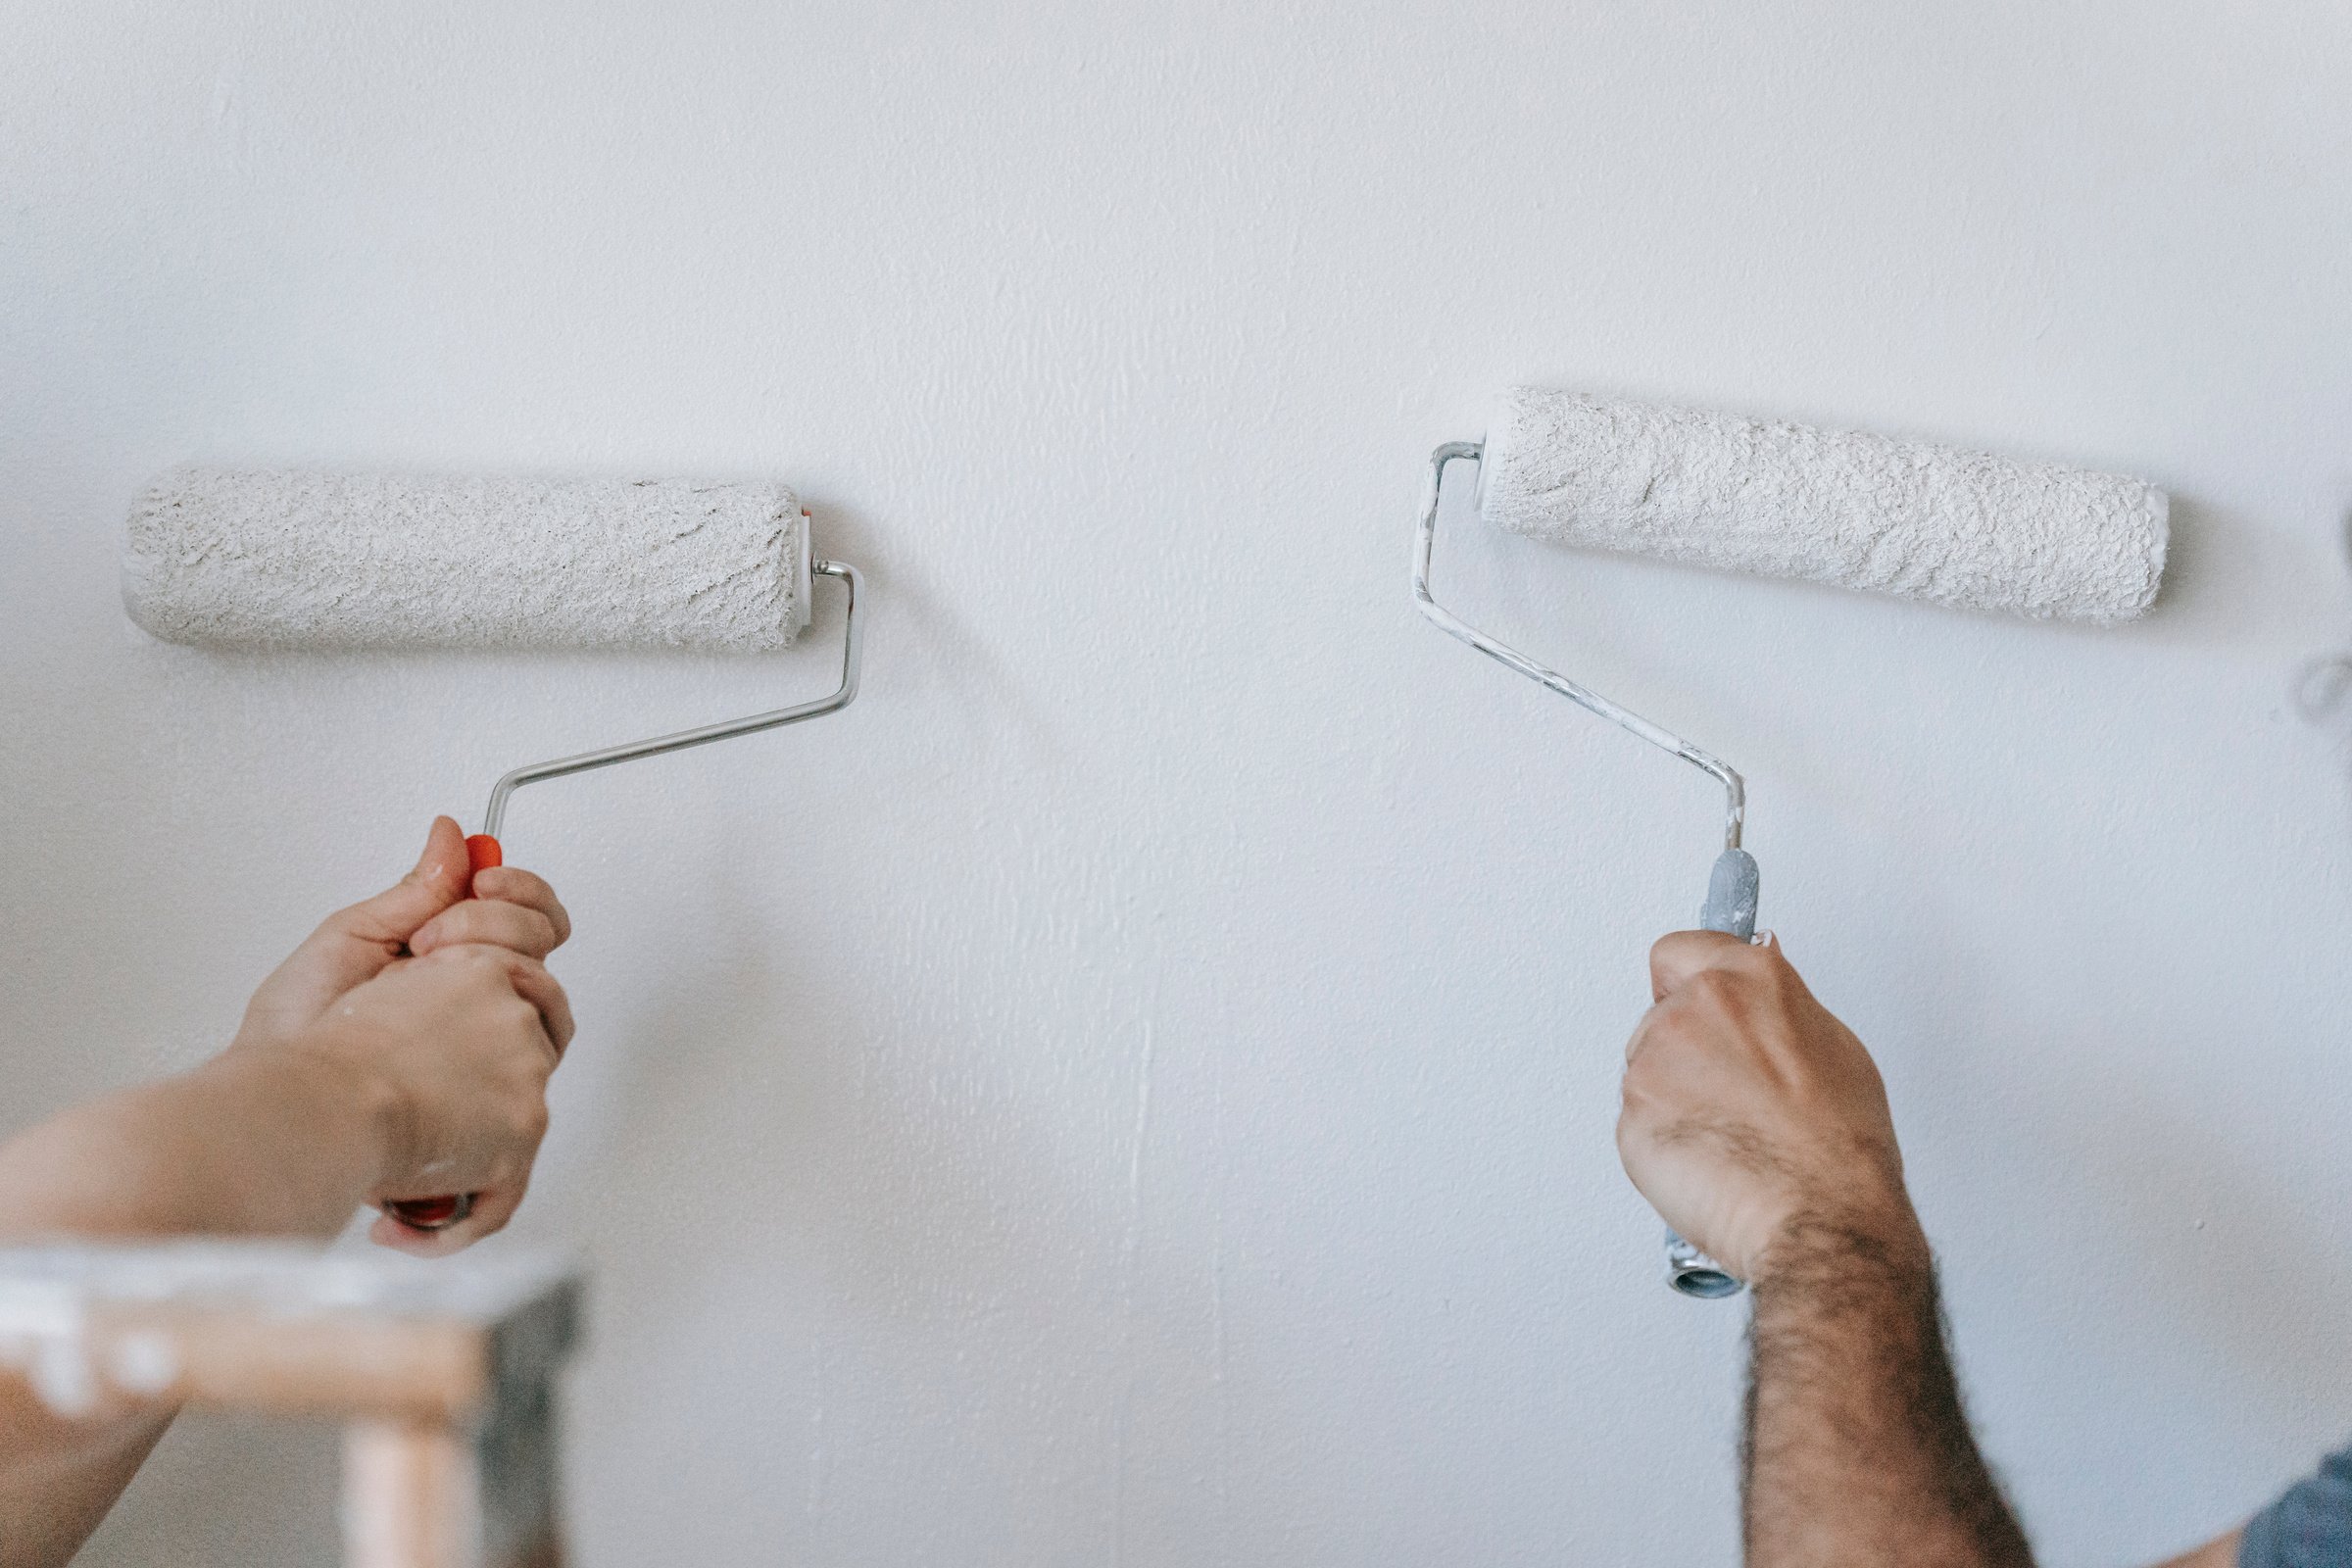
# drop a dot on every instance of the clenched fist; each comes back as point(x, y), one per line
point(456, 1048)
point(1749, 1110)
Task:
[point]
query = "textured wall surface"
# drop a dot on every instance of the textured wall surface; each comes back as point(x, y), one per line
point(1136, 1089)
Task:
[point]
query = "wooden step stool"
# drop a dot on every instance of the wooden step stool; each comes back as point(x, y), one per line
point(443, 1372)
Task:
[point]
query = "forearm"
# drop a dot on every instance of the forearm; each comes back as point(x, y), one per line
point(58, 1478)
point(278, 1142)
point(1858, 1452)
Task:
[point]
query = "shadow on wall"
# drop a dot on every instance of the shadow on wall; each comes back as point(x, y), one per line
point(2322, 685)
point(2224, 576)
point(921, 637)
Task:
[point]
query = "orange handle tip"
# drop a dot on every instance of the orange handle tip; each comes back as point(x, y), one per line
point(482, 853)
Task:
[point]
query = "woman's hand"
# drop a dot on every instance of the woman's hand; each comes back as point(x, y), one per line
point(433, 907)
point(402, 1051)
point(330, 991)
point(450, 1053)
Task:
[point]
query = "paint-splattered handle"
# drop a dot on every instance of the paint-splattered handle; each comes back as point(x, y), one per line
point(1730, 908)
point(1731, 890)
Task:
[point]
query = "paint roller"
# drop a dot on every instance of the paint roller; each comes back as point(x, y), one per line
point(1964, 529)
point(277, 561)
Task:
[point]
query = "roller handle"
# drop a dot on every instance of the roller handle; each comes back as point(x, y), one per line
point(1730, 908)
point(430, 1214)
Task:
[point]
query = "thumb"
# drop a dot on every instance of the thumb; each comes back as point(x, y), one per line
point(441, 877)
point(1680, 955)
point(355, 945)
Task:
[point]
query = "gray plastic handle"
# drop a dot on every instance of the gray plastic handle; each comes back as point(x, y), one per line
point(1731, 908)
point(1732, 896)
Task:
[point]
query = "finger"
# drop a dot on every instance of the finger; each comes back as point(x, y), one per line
point(491, 1211)
point(436, 881)
point(1673, 1056)
point(1679, 954)
point(354, 946)
point(1642, 1031)
point(388, 1232)
point(512, 884)
point(491, 923)
point(540, 990)
point(535, 985)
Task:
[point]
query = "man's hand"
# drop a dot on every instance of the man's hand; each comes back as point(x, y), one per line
point(1748, 1108)
point(1755, 1123)
point(424, 910)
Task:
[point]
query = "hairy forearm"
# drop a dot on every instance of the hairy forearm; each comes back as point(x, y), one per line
point(1858, 1452)
point(279, 1142)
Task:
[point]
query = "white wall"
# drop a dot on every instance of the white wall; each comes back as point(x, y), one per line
point(1137, 1088)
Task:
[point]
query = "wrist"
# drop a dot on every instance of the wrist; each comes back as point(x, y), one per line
point(1823, 1243)
point(329, 1072)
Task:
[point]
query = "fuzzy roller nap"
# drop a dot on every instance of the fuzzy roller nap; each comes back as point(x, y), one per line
point(278, 560)
point(1961, 528)
point(270, 560)
point(1958, 528)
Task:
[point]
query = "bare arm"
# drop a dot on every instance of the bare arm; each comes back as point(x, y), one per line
point(1857, 1448)
point(1757, 1125)
point(281, 1142)
point(165, 1158)
point(361, 1074)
